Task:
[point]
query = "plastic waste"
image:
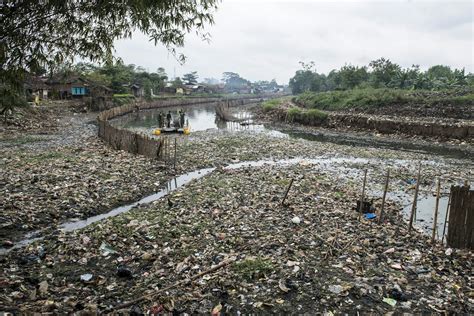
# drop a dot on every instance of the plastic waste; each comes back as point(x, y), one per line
point(370, 216)
point(296, 220)
point(86, 277)
point(106, 249)
point(390, 301)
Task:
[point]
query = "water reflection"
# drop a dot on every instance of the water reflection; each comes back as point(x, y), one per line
point(200, 117)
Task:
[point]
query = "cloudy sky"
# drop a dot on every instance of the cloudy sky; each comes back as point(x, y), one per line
point(265, 39)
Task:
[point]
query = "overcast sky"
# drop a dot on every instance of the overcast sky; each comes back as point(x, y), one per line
point(265, 39)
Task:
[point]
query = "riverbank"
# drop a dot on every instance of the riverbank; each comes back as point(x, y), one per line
point(312, 254)
point(381, 120)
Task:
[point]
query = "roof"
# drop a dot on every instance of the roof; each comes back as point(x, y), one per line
point(36, 83)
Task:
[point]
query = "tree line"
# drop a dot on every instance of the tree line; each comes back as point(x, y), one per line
point(380, 73)
point(119, 76)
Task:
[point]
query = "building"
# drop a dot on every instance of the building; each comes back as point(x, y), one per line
point(76, 87)
point(37, 86)
point(137, 90)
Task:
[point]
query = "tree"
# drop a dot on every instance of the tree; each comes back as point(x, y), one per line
point(352, 76)
point(383, 71)
point(273, 84)
point(440, 72)
point(177, 82)
point(233, 81)
point(190, 78)
point(162, 73)
point(119, 75)
point(37, 36)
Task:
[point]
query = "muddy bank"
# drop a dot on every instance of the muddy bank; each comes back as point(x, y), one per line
point(433, 128)
point(443, 129)
point(346, 136)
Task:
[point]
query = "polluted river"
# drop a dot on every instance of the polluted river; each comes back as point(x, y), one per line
point(242, 217)
point(203, 120)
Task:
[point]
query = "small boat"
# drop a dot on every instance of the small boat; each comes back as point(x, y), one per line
point(182, 130)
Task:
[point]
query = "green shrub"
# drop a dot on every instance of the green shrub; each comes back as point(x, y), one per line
point(293, 114)
point(307, 117)
point(370, 97)
point(272, 104)
point(356, 98)
point(315, 115)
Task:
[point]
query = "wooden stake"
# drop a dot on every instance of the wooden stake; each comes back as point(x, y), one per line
point(363, 194)
point(435, 221)
point(413, 208)
point(384, 195)
point(286, 194)
point(175, 154)
point(446, 218)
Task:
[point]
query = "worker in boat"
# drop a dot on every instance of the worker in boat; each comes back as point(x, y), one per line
point(160, 119)
point(181, 117)
point(169, 117)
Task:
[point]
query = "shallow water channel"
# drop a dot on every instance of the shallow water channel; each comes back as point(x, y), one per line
point(336, 164)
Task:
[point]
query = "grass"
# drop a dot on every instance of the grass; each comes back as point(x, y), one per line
point(253, 268)
point(362, 98)
point(307, 117)
point(272, 104)
point(123, 95)
point(369, 97)
point(463, 100)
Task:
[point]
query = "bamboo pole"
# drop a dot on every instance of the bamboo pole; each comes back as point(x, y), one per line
point(287, 191)
point(446, 218)
point(175, 141)
point(435, 221)
point(384, 195)
point(413, 208)
point(362, 196)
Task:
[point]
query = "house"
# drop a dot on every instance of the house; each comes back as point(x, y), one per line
point(137, 90)
point(68, 87)
point(76, 87)
point(36, 85)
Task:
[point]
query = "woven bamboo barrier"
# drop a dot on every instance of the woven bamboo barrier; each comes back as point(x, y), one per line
point(461, 218)
point(122, 139)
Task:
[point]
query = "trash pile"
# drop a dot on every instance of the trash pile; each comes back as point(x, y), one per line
point(45, 188)
point(226, 244)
